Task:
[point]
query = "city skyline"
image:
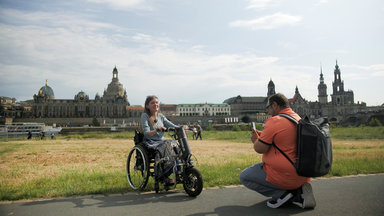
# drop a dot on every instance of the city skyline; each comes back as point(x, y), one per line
point(191, 51)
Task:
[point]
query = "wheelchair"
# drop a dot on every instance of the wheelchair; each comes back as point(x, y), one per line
point(175, 157)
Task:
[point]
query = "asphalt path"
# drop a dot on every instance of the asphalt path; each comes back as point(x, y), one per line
point(353, 195)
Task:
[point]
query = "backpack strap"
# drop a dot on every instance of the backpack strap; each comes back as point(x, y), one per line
point(290, 118)
point(286, 156)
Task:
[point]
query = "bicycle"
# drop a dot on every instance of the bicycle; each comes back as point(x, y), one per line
point(145, 161)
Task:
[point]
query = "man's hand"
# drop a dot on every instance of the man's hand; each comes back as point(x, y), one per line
point(255, 135)
point(257, 145)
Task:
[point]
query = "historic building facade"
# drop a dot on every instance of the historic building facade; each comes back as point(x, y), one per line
point(113, 103)
point(113, 106)
point(207, 109)
point(341, 105)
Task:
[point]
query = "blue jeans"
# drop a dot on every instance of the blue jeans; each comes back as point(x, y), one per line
point(254, 177)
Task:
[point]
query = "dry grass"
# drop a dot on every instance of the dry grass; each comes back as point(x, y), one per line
point(37, 159)
point(26, 160)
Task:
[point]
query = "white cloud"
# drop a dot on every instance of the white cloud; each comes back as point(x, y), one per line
point(262, 4)
point(321, 2)
point(83, 58)
point(372, 67)
point(378, 74)
point(125, 4)
point(376, 70)
point(69, 21)
point(268, 22)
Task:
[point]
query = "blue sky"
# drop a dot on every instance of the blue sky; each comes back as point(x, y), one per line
point(191, 51)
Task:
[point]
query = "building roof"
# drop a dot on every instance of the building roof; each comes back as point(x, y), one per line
point(138, 108)
point(203, 104)
point(245, 99)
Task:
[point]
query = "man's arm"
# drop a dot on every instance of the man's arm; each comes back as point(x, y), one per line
point(259, 146)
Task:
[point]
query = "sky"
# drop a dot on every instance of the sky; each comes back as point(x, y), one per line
point(191, 51)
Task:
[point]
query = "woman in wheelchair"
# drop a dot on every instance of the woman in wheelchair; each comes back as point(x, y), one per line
point(154, 125)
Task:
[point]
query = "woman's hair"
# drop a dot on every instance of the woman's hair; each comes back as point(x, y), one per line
point(149, 98)
point(280, 99)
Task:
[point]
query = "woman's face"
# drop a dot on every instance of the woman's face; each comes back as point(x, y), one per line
point(153, 105)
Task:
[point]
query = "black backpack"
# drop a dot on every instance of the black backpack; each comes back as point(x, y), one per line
point(138, 138)
point(314, 147)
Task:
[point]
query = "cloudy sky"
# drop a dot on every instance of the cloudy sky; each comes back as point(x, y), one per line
point(191, 51)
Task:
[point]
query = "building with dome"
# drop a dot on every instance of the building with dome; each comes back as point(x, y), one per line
point(45, 92)
point(113, 103)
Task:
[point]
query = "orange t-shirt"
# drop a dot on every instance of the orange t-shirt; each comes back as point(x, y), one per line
point(282, 132)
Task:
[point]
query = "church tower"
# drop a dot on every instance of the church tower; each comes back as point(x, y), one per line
point(322, 88)
point(338, 84)
point(339, 96)
point(271, 88)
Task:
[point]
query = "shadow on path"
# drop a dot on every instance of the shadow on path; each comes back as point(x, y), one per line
point(104, 201)
point(257, 209)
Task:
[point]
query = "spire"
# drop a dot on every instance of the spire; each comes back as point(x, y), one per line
point(297, 90)
point(271, 88)
point(321, 75)
point(115, 74)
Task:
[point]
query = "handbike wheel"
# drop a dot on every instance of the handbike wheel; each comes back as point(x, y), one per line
point(137, 167)
point(193, 182)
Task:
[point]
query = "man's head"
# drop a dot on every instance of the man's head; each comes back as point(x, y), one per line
point(276, 103)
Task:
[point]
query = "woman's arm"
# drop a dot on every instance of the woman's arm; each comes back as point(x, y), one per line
point(145, 124)
point(167, 123)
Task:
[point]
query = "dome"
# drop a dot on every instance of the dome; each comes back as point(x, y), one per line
point(97, 96)
point(115, 89)
point(46, 91)
point(81, 96)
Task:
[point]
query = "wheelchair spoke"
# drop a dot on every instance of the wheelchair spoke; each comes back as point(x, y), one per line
point(137, 168)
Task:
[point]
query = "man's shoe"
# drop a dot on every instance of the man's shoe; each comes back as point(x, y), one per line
point(307, 196)
point(280, 201)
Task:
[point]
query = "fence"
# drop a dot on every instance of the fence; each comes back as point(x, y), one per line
point(16, 130)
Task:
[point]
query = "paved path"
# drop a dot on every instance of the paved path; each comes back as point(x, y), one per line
point(357, 195)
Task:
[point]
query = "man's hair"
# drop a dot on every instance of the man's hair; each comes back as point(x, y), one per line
point(147, 100)
point(280, 99)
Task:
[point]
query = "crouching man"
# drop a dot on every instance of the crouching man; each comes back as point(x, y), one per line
point(275, 177)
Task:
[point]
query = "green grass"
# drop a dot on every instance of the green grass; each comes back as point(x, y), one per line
point(73, 183)
point(90, 182)
point(362, 132)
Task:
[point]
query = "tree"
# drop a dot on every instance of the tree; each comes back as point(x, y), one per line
point(95, 122)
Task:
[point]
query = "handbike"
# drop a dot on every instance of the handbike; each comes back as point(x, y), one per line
point(145, 161)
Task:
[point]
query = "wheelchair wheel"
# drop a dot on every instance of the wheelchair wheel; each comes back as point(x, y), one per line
point(193, 182)
point(138, 167)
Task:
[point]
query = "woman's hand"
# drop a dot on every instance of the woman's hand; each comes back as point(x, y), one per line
point(161, 129)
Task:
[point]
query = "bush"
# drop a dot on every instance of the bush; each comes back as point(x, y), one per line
point(245, 127)
point(374, 123)
point(236, 128)
point(210, 128)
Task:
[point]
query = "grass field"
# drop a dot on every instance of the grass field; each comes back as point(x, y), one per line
point(83, 165)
